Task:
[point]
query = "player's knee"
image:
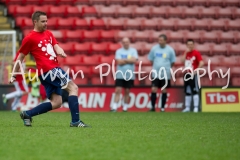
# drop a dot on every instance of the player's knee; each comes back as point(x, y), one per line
point(72, 89)
point(118, 90)
point(56, 104)
point(154, 90)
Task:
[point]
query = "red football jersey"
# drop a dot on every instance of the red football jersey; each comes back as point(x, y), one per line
point(40, 45)
point(192, 59)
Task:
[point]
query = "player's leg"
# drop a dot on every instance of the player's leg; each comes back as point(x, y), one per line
point(118, 91)
point(15, 103)
point(155, 84)
point(127, 85)
point(164, 93)
point(188, 96)
point(195, 91)
point(11, 95)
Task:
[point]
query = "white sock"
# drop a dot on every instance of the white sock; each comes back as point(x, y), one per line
point(14, 94)
point(16, 103)
point(188, 100)
point(114, 107)
point(125, 106)
point(196, 100)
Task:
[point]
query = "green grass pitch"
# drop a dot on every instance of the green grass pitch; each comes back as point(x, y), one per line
point(122, 136)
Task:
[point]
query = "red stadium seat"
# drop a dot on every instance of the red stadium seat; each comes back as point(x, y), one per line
point(81, 48)
point(121, 34)
point(195, 35)
point(205, 81)
point(176, 12)
point(109, 11)
point(98, 2)
point(234, 71)
point(97, 81)
point(75, 35)
point(28, 24)
point(59, 35)
point(91, 60)
point(183, 24)
point(80, 23)
point(141, 11)
point(19, 22)
point(99, 48)
point(199, 24)
point(231, 3)
point(214, 3)
point(216, 24)
point(158, 12)
point(236, 81)
point(146, 48)
point(149, 24)
point(124, 12)
point(144, 60)
point(22, 11)
point(61, 60)
point(107, 35)
point(115, 23)
point(97, 24)
point(57, 11)
point(190, 12)
point(133, 2)
point(82, 2)
point(175, 36)
point(236, 13)
point(230, 36)
point(112, 47)
point(52, 23)
point(65, 2)
point(198, 3)
point(138, 46)
point(89, 11)
point(91, 35)
point(65, 23)
point(166, 24)
point(207, 12)
point(81, 81)
point(107, 59)
point(73, 60)
point(233, 24)
point(67, 47)
point(218, 49)
point(204, 49)
point(11, 2)
point(11, 9)
point(110, 80)
point(44, 8)
point(72, 11)
point(142, 36)
point(209, 36)
point(132, 24)
point(231, 61)
point(85, 69)
point(221, 82)
point(52, 2)
point(224, 12)
point(118, 2)
point(233, 49)
point(150, 2)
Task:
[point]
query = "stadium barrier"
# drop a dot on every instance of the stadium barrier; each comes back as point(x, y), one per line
point(220, 100)
point(99, 99)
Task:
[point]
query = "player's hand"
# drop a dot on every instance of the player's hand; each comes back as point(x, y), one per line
point(12, 79)
point(62, 54)
point(187, 50)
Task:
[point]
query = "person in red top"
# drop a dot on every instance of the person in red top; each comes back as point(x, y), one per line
point(42, 45)
point(193, 60)
point(21, 89)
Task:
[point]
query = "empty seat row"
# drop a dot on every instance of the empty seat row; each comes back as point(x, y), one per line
point(130, 11)
point(138, 23)
point(206, 3)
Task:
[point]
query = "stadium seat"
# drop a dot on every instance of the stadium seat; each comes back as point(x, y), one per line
point(89, 12)
point(144, 60)
point(97, 24)
point(91, 35)
point(141, 12)
point(115, 23)
point(207, 12)
point(109, 11)
point(23, 11)
point(73, 35)
point(72, 11)
point(175, 36)
point(124, 12)
point(65, 2)
point(149, 24)
point(65, 23)
point(218, 49)
point(236, 81)
point(98, 48)
point(80, 23)
point(204, 49)
point(221, 82)
point(91, 60)
point(224, 12)
point(132, 24)
point(234, 71)
point(82, 2)
point(73, 60)
point(11, 9)
point(230, 36)
point(183, 24)
point(150, 2)
point(67, 47)
point(44, 8)
point(214, 3)
point(236, 13)
point(190, 12)
point(209, 36)
point(121, 34)
point(231, 61)
point(174, 12)
point(81, 48)
point(195, 35)
point(82, 68)
point(216, 24)
point(158, 12)
point(117, 2)
point(142, 36)
point(146, 48)
point(233, 24)
point(138, 46)
point(231, 3)
point(57, 11)
point(110, 80)
point(112, 47)
point(233, 49)
point(107, 35)
point(107, 59)
point(205, 81)
point(19, 21)
point(59, 35)
point(81, 81)
point(61, 60)
point(166, 24)
point(52, 2)
point(133, 2)
point(97, 81)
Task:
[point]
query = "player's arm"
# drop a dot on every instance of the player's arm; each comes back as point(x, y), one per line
point(59, 50)
point(132, 60)
point(185, 54)
point(16, 66)
point(121, 61)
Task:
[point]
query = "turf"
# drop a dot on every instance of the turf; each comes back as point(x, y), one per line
point(123, 136)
